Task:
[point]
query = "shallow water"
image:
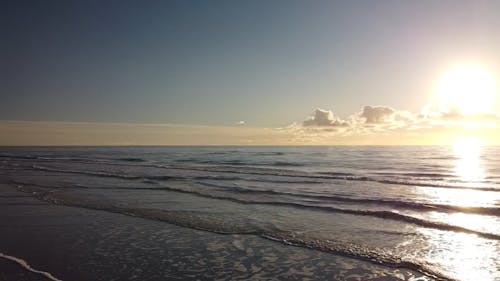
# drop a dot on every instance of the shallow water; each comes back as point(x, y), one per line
point(435, 210)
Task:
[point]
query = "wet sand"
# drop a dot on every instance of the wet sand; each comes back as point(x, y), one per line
point(81, 244)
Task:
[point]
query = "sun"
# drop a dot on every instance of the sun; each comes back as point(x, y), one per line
point(468, 89)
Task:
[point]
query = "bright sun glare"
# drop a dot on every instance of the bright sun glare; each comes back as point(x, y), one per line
point(469, 89)
point(468, 163)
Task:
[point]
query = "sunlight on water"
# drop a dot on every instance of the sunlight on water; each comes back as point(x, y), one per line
point(461, 197)
point(468, 169)
point(479, 222)
point(471, 221)
point(466, 256)
point(468, 164)
point(345, 210)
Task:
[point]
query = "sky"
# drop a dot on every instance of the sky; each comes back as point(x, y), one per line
point(241, 72)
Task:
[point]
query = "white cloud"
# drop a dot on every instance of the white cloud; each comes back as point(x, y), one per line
point(382, 124)
point(376, 114)
point(370, 118)
point(369, 125)
point(435, 112)
point(324, 118)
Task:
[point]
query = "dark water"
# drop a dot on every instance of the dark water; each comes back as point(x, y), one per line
point(432, 210)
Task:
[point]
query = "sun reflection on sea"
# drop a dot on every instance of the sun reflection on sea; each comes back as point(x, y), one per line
point(468, 166)
point(477, 222)
point(461, 197)
point(466, 256)
point(469, 172)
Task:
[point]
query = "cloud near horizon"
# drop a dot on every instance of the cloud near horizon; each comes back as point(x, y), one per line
point(371, 125)
point(324, 118)
point(376, 114)
point(369, 116)
point(381, 123)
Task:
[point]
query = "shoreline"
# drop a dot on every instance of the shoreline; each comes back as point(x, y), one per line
point(73, 243)
point(13, 267)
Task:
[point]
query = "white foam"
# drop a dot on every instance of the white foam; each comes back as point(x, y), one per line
point(25, 265)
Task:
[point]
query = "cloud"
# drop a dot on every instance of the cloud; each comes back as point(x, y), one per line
point(370, 125)
point(455, 114)
point(369, 118)
point(324, 118)
point(377, 114)
point(384, 124)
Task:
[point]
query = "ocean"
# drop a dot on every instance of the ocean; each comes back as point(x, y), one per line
point(253, 213)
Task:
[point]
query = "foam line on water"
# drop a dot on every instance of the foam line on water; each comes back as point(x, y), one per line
point(52, 197)
point(303, 176)
point(395, 203)
point(26, 266)
point(192, 220)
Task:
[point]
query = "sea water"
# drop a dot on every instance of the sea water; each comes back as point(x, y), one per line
point(430, 209)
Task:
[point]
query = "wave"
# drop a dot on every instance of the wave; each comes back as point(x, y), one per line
point(223, 162)
point(241, 167)
point(21, 204)
point(359, 253)
point(223, 152)
point(308, 177)
point(247, 170)
point(378, 214)
point(13, 156)
point(130, 159)
point(286, 164)
point(162, 177)
point(74, 159)
point(14, 196)
point(392, 203)
point(263, 153)
point(418, 175)
point(198, 220)
point(242, 163)
point(451, 157)
point(452, 185)
point(332, 176)
point(246, 190)
point(218, 178)
point(337, 174)
point(325, 176)
point(105, 174)
point(27, 267)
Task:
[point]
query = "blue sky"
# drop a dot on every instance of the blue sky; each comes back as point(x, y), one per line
point(268, 63)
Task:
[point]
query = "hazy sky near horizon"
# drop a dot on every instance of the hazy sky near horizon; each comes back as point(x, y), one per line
point(216, 63)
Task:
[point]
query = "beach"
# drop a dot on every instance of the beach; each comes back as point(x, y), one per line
point(80, 244)
point(250, 140)
point(234, 213)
